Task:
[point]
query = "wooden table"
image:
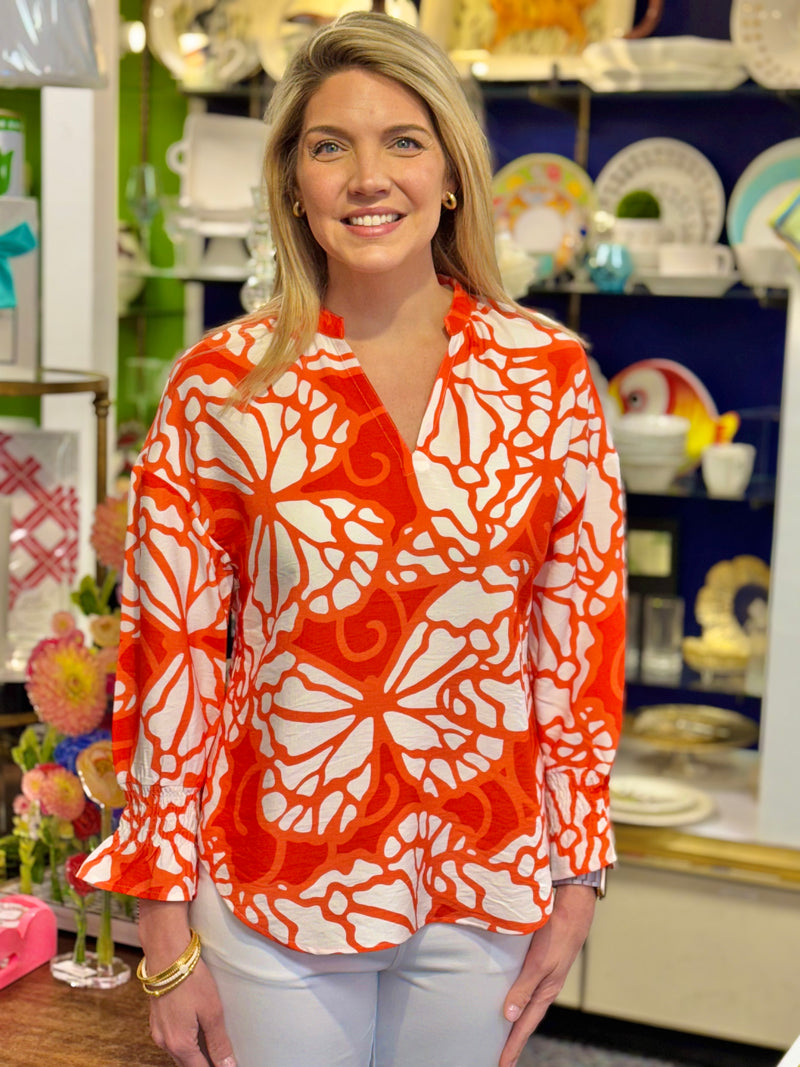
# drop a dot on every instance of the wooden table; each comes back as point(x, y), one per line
point(46, 1023)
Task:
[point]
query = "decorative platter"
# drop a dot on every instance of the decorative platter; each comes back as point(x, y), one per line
point(767, 34)
point(765, 183)
point(664, 387)
point(546, 202)
point(682, 179)
point(690, 728)
point(646, 800)
point(661, 63)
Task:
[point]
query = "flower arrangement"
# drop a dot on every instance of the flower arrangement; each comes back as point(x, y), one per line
point(68, 789)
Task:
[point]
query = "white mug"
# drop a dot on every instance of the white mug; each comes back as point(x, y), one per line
point(676, 260)
point(727, 468)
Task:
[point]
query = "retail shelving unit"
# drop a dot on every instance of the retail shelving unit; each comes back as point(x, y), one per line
point(44, 382)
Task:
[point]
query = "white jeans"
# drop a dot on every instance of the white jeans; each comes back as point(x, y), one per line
point(435, 1001)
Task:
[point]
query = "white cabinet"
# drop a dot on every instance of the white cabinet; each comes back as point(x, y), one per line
point(696, 953)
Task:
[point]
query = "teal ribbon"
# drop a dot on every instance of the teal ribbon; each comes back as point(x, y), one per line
point(15, 242)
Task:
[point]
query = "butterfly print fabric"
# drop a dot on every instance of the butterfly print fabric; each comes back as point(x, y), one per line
point(420, 711)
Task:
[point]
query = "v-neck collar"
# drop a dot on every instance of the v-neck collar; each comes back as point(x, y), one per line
point(413, 460)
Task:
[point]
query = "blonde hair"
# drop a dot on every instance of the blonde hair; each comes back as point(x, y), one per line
point(463, 246)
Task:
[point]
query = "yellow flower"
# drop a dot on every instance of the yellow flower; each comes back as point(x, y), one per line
point(65, 829)
point(95, 765)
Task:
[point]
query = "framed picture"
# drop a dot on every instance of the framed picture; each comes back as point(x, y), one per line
point(653, 556)
point(505, 41)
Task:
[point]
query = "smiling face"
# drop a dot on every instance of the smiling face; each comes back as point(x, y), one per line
point(371, 174)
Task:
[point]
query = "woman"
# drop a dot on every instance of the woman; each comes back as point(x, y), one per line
point(399, 486)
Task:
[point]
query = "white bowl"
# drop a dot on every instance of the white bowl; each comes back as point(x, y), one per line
point(763, 266)
point(637, 424)
point(649, 477)
point(656, 448)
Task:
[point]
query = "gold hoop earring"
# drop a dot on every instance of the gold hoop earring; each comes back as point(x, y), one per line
point(450, 200)
point(297, 209)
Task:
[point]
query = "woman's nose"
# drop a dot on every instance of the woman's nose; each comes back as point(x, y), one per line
point(369, 175)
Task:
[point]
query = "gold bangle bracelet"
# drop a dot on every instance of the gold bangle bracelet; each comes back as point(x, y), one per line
point(156, 984)
point(174, 976)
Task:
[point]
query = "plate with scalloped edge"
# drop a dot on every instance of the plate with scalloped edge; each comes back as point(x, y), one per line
point(647, 800)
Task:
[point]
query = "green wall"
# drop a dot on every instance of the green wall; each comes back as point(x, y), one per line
point(151, 116)
point(27, 103)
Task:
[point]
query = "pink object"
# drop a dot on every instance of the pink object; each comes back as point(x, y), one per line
point(28, 936)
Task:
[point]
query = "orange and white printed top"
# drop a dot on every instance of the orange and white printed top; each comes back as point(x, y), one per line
point(423, 698)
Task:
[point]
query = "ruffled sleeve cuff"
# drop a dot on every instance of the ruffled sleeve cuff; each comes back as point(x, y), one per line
point(153, 853)
point(581, 836)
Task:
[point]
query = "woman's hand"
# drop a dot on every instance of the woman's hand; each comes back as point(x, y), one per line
point(553, 950)
point(189, 1013)
point(187, 1022)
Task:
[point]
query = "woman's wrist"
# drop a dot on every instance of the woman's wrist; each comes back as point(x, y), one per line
point(164, 932)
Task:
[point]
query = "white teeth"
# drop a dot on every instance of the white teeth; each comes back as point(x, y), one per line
point(372, 220)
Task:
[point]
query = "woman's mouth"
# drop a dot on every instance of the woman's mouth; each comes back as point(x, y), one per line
point(372, 220)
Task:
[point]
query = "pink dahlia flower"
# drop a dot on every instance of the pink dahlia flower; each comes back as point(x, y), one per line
point(63, 624)
point(109, 529)
point(67, 686)
point(62, 795)
point(34, 779)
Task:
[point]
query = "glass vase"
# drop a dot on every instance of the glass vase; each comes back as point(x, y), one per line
point(100, 969)
point(83, 969)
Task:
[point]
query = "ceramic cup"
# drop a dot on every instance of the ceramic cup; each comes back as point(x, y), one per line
point(727, 468)
point(642, 238)
point(676, 260)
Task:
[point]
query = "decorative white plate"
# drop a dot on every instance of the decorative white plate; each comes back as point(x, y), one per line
point(679, 63)
point(767, 33)
point(688, 284)
point(648, 793)
point(546, 202)
point(762, 187)
point(646, 800)
point(682, 179)
point(231, 53)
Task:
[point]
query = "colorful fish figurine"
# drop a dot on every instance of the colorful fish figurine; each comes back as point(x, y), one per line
point(664, 387)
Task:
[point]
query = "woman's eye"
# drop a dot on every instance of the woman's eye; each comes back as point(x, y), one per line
point(324, 148)
point(406, 143)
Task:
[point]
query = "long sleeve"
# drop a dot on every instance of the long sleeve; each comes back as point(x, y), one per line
point(171, 669)
point(577, 638)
